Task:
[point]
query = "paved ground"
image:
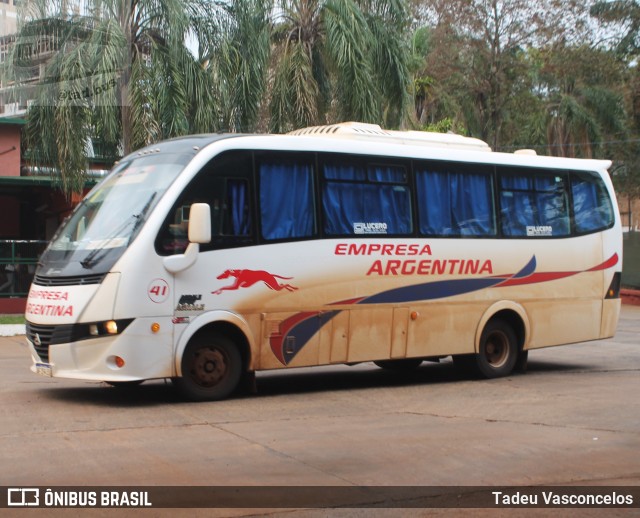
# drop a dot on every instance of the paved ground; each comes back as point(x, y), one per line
point(573, 419)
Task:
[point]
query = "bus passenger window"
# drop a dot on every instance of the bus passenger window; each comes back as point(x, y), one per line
point(534, 205)
point(366, 200)
point(591, 205)
point(286, 200)
point(452, 203)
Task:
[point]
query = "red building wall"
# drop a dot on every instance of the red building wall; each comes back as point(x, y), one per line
point(10, 149)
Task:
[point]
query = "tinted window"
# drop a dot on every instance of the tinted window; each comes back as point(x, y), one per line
point(591, 204)
point(365, 199)
point(224, 183)
point(534, 204)
point(286, 199)
point(454, 202)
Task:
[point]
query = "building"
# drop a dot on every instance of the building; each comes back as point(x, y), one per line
point(8, 17)
point(31, 209)
point(31, 205)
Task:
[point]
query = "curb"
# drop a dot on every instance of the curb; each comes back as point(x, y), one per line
point(12, 329)
point(631, 297)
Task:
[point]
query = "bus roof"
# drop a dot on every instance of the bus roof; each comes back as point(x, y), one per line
point(417, 144)
point(373, 132)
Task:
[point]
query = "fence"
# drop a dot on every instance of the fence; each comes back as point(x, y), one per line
point(18, 259)
point(631, 260)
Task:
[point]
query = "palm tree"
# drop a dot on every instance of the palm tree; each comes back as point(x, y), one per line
point(239, 63)
point(579, 88)
point(121, 69)
point(339, 60)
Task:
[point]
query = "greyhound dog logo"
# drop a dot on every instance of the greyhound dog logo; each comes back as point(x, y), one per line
point(247, 278)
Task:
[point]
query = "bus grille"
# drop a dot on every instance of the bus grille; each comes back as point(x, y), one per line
point(43, 336)
point(78, 280)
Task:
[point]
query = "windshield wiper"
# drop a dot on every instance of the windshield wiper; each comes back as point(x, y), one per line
point(92, 257)
point(95, 255)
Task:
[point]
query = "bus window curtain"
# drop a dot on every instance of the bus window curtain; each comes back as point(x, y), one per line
point(237, 196)
point(346, 203)
point(389, 174)
point(455, 204)
point(286, 200)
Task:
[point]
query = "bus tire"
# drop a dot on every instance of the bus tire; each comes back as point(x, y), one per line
point(498, 350)
point(404, 364)
point(211, 368)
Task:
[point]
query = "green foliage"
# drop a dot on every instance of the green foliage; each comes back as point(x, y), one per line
point(444, 126)
point(121, 76)
point(239, 64)
point(120, 72)
point(339, 60)
point(512, 72)
point(626, 15)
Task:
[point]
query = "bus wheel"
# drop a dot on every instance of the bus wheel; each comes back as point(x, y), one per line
point(405, 364)
point(211, 368)
point(498, 350)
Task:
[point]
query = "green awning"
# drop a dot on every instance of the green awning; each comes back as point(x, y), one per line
point(16, 121)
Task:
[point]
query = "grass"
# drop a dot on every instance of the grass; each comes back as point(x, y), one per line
point(11, 319)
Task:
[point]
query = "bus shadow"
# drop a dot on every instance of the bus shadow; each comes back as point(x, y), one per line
point(321, 380)
point(276, 383)
point(156, 392)
point(539, 366)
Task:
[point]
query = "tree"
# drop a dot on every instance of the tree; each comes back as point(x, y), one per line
point(339, 60)
point(583, 104)
point(478, 44)
point(239, 63)
point(437, 84)
point(626, 14)
point(121, 71)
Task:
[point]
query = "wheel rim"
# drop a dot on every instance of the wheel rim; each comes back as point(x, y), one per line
point(496, 349)
point(209, 367)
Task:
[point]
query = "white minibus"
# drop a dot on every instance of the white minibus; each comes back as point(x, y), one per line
point(207, 258)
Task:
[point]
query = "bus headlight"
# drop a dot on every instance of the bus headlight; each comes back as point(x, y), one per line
point(108, 327)
point(111, 327)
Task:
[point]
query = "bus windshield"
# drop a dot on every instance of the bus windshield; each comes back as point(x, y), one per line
point(109, 218)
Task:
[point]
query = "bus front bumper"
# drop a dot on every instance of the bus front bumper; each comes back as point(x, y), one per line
point(138, 353)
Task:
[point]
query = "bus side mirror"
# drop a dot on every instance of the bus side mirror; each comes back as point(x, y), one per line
point(200, 223)
point(199, 233)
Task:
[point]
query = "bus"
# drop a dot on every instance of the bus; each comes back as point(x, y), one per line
point(208, 258)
